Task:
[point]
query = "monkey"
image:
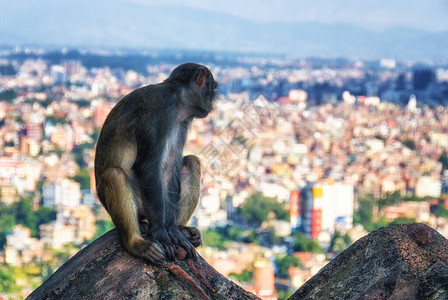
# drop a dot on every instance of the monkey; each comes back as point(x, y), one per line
point(139, 165)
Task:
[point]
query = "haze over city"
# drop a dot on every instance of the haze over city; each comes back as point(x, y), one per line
point(350, 29)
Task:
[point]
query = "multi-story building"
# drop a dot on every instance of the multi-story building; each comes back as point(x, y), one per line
point(427, 186)
point(8, 193)
point(12, 178)
point(264, 280)
point(72, 225)
point(100, 113)
point(62, 137)
point(420, 211)
point(57, 234)
point(320, 209)
point(65, 193)
point(21, 248)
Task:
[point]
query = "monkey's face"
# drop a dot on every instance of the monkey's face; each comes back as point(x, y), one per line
point(209, 94)
point(199, 88)
point(205, 89)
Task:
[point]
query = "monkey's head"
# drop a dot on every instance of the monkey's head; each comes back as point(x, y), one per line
point(198, 88)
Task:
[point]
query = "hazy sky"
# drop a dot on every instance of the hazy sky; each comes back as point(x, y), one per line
point(424, 14)
point(235, 25)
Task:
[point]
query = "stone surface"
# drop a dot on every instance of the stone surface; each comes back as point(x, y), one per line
point(397, 262)
point(104, 270)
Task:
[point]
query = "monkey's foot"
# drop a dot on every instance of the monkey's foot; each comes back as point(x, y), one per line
point(150, 251)
point(179, 239)
point(192, 234)
point(163, 237)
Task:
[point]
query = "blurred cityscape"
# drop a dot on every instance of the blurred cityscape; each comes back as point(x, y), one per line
point(300, 158)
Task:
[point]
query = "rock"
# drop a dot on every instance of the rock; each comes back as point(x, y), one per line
point(396, 262)
point(104, 270)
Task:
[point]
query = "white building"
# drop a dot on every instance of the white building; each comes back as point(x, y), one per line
point(427, 186)
point(338, 202)
point(211, 202)
point(72, 225)
point(21, 248)
point(65, 193)
point(325, 208)
point(57, 234)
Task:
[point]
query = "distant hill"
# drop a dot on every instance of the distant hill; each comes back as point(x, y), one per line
point(114, 24)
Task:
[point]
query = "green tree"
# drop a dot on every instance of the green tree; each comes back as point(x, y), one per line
point(304, 244)
point(230, 233)
point(380, 137)
point(339, 242)
point(444, 160)
point(284, 263)
point(213, 238)
point(234, 233)
point(364, 214)
point(103, 226)
point(8, 95)
point(25, 216)
point(382, 222)
point(251, 237)
point(403, 220)
point(257, 208)
point(79, 150)
point(57, 120)
point(22, 213)
point(46, 271)
point(441, 211)
point(409, 144)
point(244, 277)
point(62, 256)
point(45, 215)
point(284, 294)
point(83, 177)
point(390, 199)
point(7, 282)
point(7, 222)
point(96, 135)
point(40, 184)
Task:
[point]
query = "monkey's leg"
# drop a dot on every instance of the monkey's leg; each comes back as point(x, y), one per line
point(190, 189)
point(121, 204)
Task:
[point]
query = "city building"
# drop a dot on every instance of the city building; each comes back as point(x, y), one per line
point(65, 193)
point(57, 234)
point(21, 248)
point(72, 225)
point(264, 280)
point(427, 186)
point(420, 211)
point(320, 209)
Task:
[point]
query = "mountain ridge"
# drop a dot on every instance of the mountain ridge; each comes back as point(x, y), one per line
point(98, 25)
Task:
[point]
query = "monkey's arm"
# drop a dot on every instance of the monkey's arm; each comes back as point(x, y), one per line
point(154, 202)
point(150, 180)
point(183, 201)
point(172, 210)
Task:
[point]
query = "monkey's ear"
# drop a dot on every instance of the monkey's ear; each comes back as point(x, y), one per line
point(201, 78)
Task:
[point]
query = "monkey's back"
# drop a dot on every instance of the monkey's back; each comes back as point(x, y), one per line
point(117, 145)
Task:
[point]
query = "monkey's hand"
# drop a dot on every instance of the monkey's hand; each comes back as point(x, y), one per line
point(179, 239)
point(192, 234)
point(162, 237)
